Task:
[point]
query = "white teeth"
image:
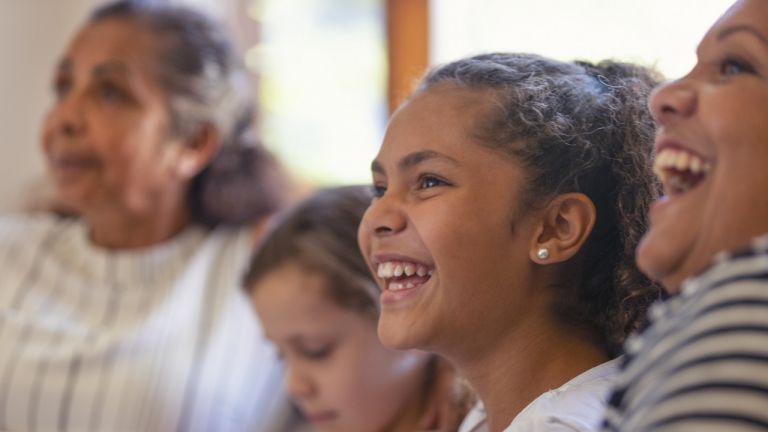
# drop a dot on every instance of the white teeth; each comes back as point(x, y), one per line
point(398, 270)
point(398, 286)
point(679, 168)
point(391, 269)
point(385, 270)
point(682, 161)
point(696, 166)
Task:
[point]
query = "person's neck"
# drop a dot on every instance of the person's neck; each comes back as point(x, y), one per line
point(116, 227)
point(522, 365)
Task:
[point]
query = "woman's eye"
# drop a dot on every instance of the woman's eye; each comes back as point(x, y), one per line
point(61, 87)
point(428, 181)
point(110, 93)
point(378, 190)
point(732, 66)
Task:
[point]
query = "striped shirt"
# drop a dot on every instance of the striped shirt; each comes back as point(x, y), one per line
point(703, 363)
point(157, 339)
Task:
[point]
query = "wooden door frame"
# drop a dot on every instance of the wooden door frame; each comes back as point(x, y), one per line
point(407, 30)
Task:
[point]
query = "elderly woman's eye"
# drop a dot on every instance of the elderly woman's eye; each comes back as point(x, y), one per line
point(61, 87)
point(110, 92)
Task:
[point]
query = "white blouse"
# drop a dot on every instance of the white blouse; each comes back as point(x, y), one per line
point(576, 406)
point(154, 339)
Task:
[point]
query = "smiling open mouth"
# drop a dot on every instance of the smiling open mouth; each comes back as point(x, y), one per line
point(680, 170)
point(400, 275)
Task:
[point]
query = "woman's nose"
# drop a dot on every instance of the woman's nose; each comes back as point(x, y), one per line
point(67, 116)
point(672, 101)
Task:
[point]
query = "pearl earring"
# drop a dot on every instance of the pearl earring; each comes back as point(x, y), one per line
point(542, 253)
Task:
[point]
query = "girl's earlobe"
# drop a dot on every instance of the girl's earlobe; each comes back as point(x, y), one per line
point(542, 253)
point(565, 226)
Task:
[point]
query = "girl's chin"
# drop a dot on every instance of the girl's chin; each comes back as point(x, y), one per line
point(395, 338)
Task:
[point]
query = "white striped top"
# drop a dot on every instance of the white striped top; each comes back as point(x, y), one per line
point(157, 339)
point(703, 363)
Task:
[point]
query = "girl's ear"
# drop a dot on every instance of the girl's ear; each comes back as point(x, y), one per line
point(566, 224)
point(197, 150)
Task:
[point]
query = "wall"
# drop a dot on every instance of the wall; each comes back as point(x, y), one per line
point(33, 33)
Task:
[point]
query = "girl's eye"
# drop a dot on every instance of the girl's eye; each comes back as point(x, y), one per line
point(319, 353)
point(428, 181)
point(732, 66)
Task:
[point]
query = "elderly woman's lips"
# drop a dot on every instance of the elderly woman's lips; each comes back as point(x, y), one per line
point(72, 164)
point(71, 167)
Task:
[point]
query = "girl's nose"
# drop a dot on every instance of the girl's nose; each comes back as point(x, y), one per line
point(384, 217)
point(298, 385)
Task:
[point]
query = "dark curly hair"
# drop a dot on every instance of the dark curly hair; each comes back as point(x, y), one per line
point(578, 127)
point(207, 84)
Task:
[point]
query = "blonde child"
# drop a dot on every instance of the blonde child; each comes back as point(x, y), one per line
point(319, 304)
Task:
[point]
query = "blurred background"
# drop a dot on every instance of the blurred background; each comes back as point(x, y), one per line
point(327, 73)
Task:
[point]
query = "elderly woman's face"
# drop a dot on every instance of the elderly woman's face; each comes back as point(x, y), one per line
point(107, 139)
point(712, 150)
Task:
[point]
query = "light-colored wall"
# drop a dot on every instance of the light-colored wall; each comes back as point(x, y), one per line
point(33, 33)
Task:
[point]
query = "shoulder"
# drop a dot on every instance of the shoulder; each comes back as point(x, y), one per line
point(578, 405)
point(705, 358)
point(27, 227)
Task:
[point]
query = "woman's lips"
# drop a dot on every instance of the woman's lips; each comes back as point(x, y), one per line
point(680, 169)
point(71, 165)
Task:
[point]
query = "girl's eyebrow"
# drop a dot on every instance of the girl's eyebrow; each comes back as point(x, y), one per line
point(412, 159)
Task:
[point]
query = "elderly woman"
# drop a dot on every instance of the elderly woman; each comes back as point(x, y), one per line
point(703, 364)
point(129, 317)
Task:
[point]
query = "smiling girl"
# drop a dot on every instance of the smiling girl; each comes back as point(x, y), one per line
point(511, 193)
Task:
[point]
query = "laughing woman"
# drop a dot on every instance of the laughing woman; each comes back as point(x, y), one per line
point(512, 190)
point(703, 364)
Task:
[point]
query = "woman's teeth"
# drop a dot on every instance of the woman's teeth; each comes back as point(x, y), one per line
point(680, 170)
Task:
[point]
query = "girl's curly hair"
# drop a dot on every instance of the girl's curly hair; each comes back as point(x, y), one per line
point(578, 127)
